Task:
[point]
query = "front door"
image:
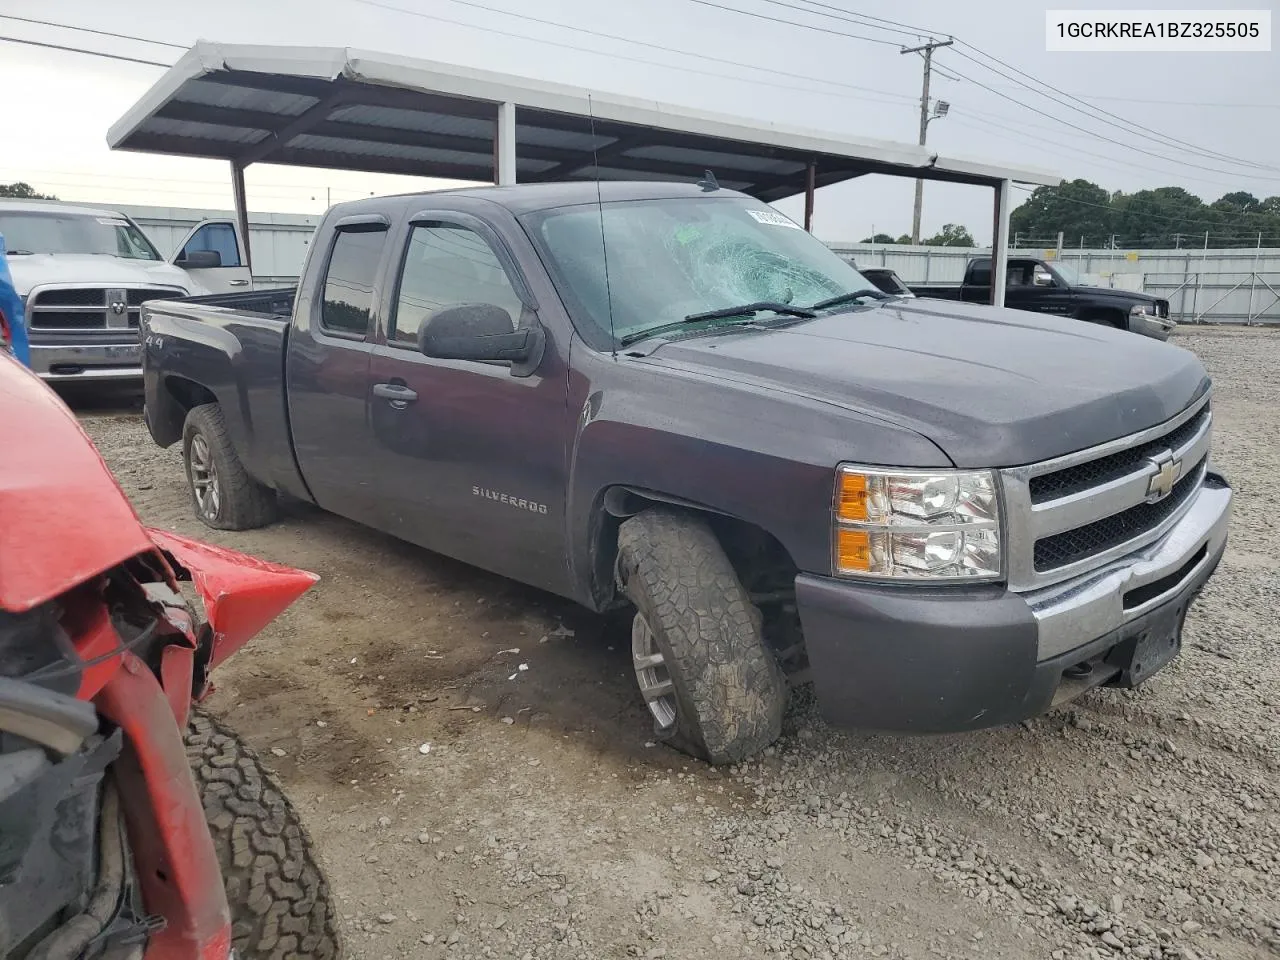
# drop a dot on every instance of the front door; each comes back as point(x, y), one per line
point(1027, 289)
point(473, 453)
point(231, 274)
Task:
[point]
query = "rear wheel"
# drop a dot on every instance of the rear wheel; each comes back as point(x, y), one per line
point(279, 897)
point(710, 681)
point(224, 495)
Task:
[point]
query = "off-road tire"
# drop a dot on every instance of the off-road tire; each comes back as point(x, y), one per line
point(244, 502)
point(279, 897)
point(729, 690)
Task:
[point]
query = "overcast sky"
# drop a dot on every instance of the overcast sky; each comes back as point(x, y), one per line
point(57, 106)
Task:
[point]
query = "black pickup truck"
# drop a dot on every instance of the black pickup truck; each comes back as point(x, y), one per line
point(1043, 287)
point(943, 515)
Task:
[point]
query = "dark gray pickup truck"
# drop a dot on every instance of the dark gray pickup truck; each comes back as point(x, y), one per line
point(943, 515)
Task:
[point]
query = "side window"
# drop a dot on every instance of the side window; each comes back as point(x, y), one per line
point(348, 284)
point(980, 274)
point(218, 237)
point(446, 265)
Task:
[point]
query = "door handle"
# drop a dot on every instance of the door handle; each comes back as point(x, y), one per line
point(399, 395)
point(237, 283)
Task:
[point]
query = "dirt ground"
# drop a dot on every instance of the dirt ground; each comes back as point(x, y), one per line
point(478, 773)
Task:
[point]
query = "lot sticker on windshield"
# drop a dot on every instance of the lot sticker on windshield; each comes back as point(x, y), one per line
point(111, 222)
point(774, 219)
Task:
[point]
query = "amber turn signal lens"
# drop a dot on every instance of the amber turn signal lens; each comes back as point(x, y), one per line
point(853, 550)
point(852, 502)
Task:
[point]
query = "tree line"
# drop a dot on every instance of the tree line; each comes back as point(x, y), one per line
point(1087, 215)
point(22, 191)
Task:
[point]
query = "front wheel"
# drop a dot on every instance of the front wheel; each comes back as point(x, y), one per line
point(713, 686)
point(279, 897)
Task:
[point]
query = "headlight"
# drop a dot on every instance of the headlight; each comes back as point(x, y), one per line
point(916, 524)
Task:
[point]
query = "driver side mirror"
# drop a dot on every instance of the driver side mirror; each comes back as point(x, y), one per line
point(1043, 278)
point(479, 331)
point(198, 259)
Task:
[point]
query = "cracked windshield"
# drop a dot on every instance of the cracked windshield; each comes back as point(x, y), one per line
point(672, 259)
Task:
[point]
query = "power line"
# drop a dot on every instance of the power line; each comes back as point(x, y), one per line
point(100, 33)
point(772, 71)
point(845, 16)
point(618, 56)
point(91, 53)
point(1123, 125)
point(793, 23)
point(1000, 126)
point(1127, 146)
point(903, 28)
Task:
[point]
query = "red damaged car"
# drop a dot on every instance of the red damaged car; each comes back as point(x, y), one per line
point(132, 825)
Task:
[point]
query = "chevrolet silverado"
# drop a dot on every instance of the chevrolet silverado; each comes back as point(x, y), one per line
point(943, 515)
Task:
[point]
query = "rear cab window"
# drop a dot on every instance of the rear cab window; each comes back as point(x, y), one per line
point(349, 280)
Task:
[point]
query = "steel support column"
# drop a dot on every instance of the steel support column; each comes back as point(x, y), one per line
point(242, 210)
point(504, 145)
point(1000, 244)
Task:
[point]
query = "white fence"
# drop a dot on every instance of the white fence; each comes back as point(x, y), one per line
point(1202, 286)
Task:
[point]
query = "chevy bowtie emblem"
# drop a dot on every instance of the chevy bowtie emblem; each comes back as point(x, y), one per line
point(1168, 470)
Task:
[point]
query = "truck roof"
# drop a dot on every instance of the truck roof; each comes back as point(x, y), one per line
point(56, 206)
point(528, 197)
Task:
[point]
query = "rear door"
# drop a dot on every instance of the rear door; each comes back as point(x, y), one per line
point(327, 370)
point(472, 454)
point(232, 272)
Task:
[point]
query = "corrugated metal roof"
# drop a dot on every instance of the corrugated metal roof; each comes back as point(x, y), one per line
point(245, 98)
point(351, 109)
point(216, 133)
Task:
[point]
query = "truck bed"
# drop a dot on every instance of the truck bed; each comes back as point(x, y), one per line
point(269, 303)
point(230, 346)
point(938, 291)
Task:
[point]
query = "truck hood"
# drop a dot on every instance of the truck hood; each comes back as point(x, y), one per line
point(992, 388)
point(1131, 296)
point(93, 270)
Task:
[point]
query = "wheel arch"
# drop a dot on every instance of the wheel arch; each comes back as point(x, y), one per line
point(167, 408)
point(1107, 316)
point(761, 560)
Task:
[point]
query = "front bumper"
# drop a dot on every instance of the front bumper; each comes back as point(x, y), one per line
point(1149, 325)
point(945, 659)
point(86, 361)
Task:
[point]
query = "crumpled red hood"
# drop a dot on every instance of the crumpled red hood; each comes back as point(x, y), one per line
point(63, 517)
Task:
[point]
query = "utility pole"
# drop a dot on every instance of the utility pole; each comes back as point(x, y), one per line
point(928, 49)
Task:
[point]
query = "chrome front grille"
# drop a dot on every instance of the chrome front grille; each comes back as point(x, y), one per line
point(1075, 513)
point(91, 309)
point(1092, 473)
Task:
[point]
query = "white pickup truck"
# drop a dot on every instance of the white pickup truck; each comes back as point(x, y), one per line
point(83, 273)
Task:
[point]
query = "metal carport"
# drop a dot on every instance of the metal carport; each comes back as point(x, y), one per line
point(349, 109)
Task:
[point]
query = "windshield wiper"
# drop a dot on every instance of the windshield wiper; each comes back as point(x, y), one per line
point(746, 309)
point(850, 298)
point(20, 253)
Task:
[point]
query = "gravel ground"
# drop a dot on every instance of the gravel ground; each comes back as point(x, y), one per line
point(466, 808)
